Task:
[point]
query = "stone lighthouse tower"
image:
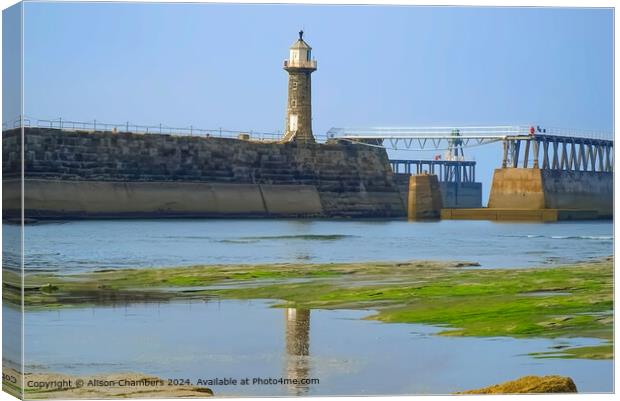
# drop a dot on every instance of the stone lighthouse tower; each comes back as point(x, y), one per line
point(299, 108)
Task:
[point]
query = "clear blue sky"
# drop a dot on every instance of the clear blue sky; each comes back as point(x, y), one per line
point(221, 65)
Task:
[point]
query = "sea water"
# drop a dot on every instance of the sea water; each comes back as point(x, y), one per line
point(76, 246)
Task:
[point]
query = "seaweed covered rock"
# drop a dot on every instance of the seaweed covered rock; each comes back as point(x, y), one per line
point(530, 384)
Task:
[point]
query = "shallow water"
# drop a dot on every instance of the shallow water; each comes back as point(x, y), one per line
point(240, 339)
point(87, 245)
point(249, 339)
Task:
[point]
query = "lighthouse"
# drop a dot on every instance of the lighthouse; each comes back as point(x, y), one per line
point(299, 106)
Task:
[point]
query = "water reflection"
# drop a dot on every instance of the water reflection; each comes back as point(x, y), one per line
point(297, 348)
point(350, 355)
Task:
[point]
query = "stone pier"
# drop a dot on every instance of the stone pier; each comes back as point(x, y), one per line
point(79, 174)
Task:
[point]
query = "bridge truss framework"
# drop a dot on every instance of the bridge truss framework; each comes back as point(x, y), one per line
point(524, 146)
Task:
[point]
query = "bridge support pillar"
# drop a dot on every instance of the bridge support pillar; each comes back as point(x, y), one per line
point(536, 189)
point(424, 200)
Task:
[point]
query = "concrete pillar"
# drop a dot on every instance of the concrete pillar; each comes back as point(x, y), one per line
point(424, 201)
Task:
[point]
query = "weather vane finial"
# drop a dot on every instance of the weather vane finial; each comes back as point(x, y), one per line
point(301, 34)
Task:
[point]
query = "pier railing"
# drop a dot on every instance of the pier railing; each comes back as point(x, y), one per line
point(310, 64)
point(98, 126)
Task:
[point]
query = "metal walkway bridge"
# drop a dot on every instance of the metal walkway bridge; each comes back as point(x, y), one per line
point(524, 146)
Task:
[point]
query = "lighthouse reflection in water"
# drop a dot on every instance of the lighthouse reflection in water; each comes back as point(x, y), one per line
point(297, 349)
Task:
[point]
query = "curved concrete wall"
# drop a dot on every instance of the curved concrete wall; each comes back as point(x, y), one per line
point(58, 198)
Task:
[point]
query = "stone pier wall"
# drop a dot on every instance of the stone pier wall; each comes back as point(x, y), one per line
point(84, 174)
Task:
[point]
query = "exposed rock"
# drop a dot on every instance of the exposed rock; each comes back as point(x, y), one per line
point(530, 384)
point(466, 264)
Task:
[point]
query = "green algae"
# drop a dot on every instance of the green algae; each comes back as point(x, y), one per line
point(603, 351)
point(550, 302)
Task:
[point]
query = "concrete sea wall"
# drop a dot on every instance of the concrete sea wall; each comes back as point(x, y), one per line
point(461, 195)
point(105, 174)
point(58, 198)
point(529, 188)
